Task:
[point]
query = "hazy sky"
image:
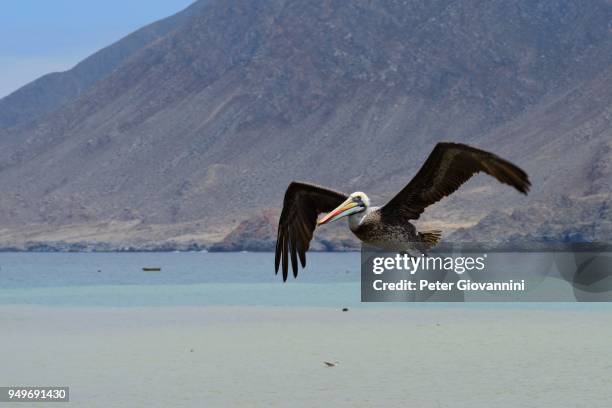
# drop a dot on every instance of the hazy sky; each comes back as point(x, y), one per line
point(42, 36)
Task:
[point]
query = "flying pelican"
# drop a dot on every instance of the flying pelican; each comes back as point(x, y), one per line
point(448, 166)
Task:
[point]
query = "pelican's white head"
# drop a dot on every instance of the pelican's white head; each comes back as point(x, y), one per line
point(355, 203)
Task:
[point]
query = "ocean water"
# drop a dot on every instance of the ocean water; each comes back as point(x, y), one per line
point(117, 279)
point(82, 332)
point(196, 279)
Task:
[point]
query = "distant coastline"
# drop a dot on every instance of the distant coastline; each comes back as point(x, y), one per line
point(67, 247)
point(521, 244)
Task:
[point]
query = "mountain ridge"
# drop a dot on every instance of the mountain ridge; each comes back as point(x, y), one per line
point(206, 126)
point(53, 90)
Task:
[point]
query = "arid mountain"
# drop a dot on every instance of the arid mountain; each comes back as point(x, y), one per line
point(564, 219)
point(53, 90)
point(203, 123)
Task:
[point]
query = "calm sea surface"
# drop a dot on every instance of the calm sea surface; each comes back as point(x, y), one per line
point(117, 279)
point(189, 278)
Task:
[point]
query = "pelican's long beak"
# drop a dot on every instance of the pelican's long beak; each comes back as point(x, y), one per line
point(346, 208)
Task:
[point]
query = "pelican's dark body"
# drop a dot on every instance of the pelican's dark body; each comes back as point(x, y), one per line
point(391, 234)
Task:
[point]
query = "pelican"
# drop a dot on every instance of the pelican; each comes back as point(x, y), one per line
point(448, 166)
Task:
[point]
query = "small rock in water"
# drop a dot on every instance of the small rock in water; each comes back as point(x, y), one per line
point(191, 351)
point(345, 309)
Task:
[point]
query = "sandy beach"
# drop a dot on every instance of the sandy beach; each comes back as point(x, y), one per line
point(265, 356)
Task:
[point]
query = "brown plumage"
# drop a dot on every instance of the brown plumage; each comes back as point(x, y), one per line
point(302, 205)
point(448, 166)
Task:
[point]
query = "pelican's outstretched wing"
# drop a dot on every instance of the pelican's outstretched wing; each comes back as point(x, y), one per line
point(302, 205)
point(449, 166)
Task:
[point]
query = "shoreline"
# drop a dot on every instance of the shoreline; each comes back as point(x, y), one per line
point(157, 248)
point(533, 245)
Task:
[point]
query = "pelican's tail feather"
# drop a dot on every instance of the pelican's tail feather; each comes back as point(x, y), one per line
point(430, 238)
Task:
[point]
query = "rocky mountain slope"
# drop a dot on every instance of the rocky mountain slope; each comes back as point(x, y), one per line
point(203, 124)
point(55, 89)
